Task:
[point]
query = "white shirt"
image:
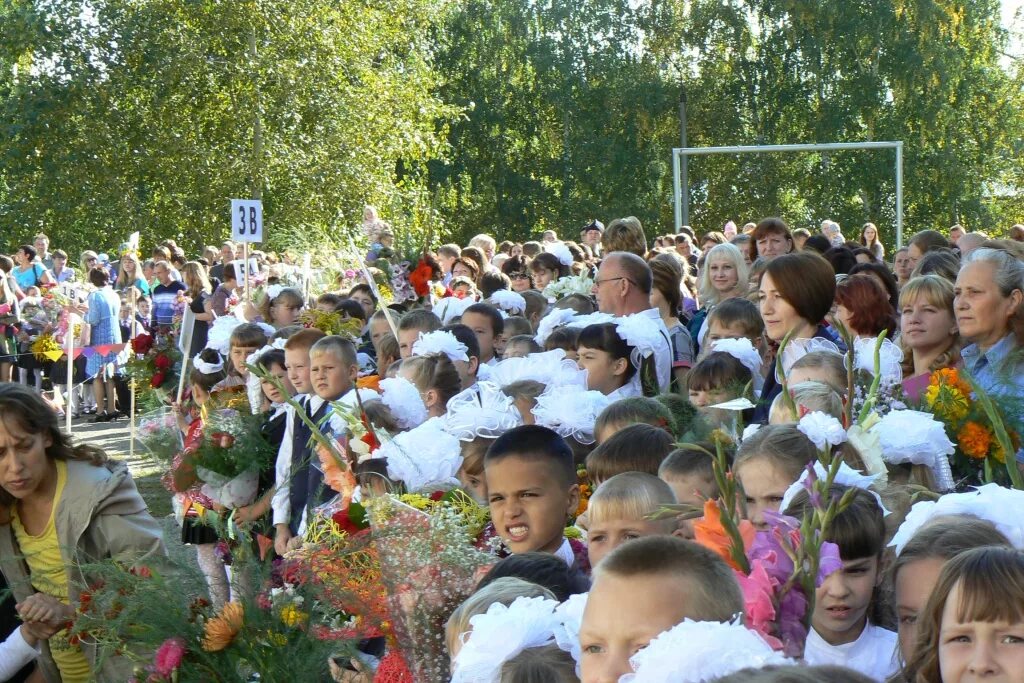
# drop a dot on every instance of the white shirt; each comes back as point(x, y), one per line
point(15, 652)
point(872, 654)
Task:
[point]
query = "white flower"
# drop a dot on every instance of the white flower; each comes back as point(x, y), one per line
point(916, 437)
point(404, 401)
point(1002, 506)
point(442, 343)
point(560, 251)
point(508, 301)
point(846, 476)
point(700, 652)
point(571, 284)
point(742, 350)
point(823, 429)
point(501, 633)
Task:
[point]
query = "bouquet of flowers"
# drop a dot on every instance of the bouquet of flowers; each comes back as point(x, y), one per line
point(159, 434)
point(231, 455)
point(153, 366)
point(976, 425)
point(571, 284)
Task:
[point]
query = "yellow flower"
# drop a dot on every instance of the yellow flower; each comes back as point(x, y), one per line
point(974, 440)
point(221, 630)
point(947, 402)
point(293, 616)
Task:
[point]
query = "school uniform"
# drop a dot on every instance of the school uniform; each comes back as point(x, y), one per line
point(872, 654)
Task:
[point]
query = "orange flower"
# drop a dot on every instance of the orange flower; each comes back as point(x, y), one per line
point(222, 629)
point(585, 493)
point(369, 382)
point(975, 440)
point(951, 378)
point(710, 533)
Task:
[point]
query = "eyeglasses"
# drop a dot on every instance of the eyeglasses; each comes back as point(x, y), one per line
point(597, 282)
point(519, 276)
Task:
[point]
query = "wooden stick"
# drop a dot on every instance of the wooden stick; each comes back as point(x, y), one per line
point(373, 287)
point(132, 331)
point(181, 380)
point(245, 270)
point(70, 341)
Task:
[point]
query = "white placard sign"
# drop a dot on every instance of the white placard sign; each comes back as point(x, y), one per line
point(246, 220)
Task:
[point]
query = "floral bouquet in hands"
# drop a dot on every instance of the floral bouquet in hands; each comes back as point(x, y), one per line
point(159, 434)
point(231, 455)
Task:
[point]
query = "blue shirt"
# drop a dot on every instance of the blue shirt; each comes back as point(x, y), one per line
point(164, 298)
point(1000, 370)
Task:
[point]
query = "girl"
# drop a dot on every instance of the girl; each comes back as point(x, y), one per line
point(436, 379)
point(194, 276)
point(807, 397)
point(546, 268)
point(667, 298)
point(606, 358)
point(827, 367)
point(130, 275)
point(917, 567)
point(841, 630)
point(273, 428)
point(61, 506)
point(245, 340)
point(718, 378)
point(281, 307)
point(973, 625)
point(471, 473)
point(565, 338)
point(205, 376)
point(869, 238)
point(767, 463)
point(928, 332)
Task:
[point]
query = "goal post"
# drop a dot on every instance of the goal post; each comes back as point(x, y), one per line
point(681, 154)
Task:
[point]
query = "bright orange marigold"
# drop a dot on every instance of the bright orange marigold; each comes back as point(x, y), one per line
point(975, 440)
point(222, 629)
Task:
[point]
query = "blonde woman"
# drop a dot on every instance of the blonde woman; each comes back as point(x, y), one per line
point(725, 275)
point(130, 275)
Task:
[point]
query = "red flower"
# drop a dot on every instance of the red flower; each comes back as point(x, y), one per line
point(168, 657)
point(141, 571)
point(142, 344)
point(158, 379)
point(436, 496)
point(162, 362)
point(420, 278)
point(345, 522)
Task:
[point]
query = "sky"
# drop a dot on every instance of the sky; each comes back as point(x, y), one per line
point(1013, 18)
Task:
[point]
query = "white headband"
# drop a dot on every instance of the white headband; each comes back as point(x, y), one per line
point(274, 291)
point(441, 342)
point(207, 368)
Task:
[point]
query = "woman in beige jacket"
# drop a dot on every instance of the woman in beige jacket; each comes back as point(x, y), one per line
point(61, 507)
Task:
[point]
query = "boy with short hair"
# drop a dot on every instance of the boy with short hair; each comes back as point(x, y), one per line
point(689, 473)
point(532, 491)
point(733, 319)
point(645, 587)
point(412, 325)
point(487, 324)
point(296, 434)
point(520, 346)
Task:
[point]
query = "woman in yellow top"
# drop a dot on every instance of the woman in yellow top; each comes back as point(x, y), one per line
point(60, 507)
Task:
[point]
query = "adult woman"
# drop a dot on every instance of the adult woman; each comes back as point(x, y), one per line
point(944, 262)
point(518, 270)
point(547, 268)
point(476, 254)
point(667, 298)
point(724, 276)
point(9, 315)
point(869, 238)
point(28, 273)
point(130, 275)
point(88, 260)
point(988, 298)
point(60, 507)
point(770, 239)
point(928, 332)
point(624, 234)
point(466, 267)
point(883, 276)
point(863, 307)
point(923, 242)
point(194, 276)
point(794, 294)
point(102, 313)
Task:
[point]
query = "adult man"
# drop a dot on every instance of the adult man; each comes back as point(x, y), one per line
point(164, 294)
point(61, 272)
point(955, 233)
point(684, 248)
point(42, 245)
point(549, 237)
point(902, 265)
point(623, 288)
point(1017, 232)
point(590, 235)
point(227, 255)
point(968, 242)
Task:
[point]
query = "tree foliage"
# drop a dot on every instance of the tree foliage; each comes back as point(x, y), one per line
point(504, 116)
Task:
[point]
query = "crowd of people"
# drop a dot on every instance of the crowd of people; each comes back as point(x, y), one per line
point(528, 375)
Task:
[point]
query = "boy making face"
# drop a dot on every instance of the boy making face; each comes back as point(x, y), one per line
point(643, 588)
point(531, 489)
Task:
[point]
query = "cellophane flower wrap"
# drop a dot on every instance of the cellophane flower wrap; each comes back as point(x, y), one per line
point(159, 434)
point(428, 567)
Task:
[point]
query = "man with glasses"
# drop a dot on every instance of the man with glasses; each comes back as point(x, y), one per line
point(623, 288)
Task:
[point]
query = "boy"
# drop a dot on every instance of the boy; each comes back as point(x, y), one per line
point(644, 588)
point(532, 490)
point(487, 324)
point(469, 371)
point(520, 346)
point(296, 435)
point(411, 325)
point(689, 473)
point(734, 319)
point(619, 511)
point(636, 448)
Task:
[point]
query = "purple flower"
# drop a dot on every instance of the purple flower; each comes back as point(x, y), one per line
point(768, 551)
point(828, 562)
point(792, 633)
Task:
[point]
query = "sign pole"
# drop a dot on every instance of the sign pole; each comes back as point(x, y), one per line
point(131, 385)
point(70, 342)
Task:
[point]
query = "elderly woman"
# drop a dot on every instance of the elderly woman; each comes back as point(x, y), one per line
point(724, 276)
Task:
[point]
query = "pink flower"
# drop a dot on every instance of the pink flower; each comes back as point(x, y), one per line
point(829, 561)
point(168, 657)
point(758, 602)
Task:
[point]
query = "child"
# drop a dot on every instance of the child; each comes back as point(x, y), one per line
point(504, 590)
point(542, 569)
point(532, 490)
point(281, 306)
point(808, 396)
point(767, 463)
point(842, 633)
point(411, 326)
point(973, 625)
point(378, 326)
point(916, 569)
point(435, 377)
point(689, 473)
point(487, 324)
point(328, 303)
point(245, 340)
point(471, 473)
point(469, 368)
point(520, 346)
point(516, 325)
point(637, 448)
point(206, 374)
point(547, 663)
point(566, 339)
point(296, 435)
point(644, 588)
point(619, 510)
point(733, 319)
point(606, 358)
point(524, 395)
point(717, 378)
point(628, 411)
point(820, 366)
